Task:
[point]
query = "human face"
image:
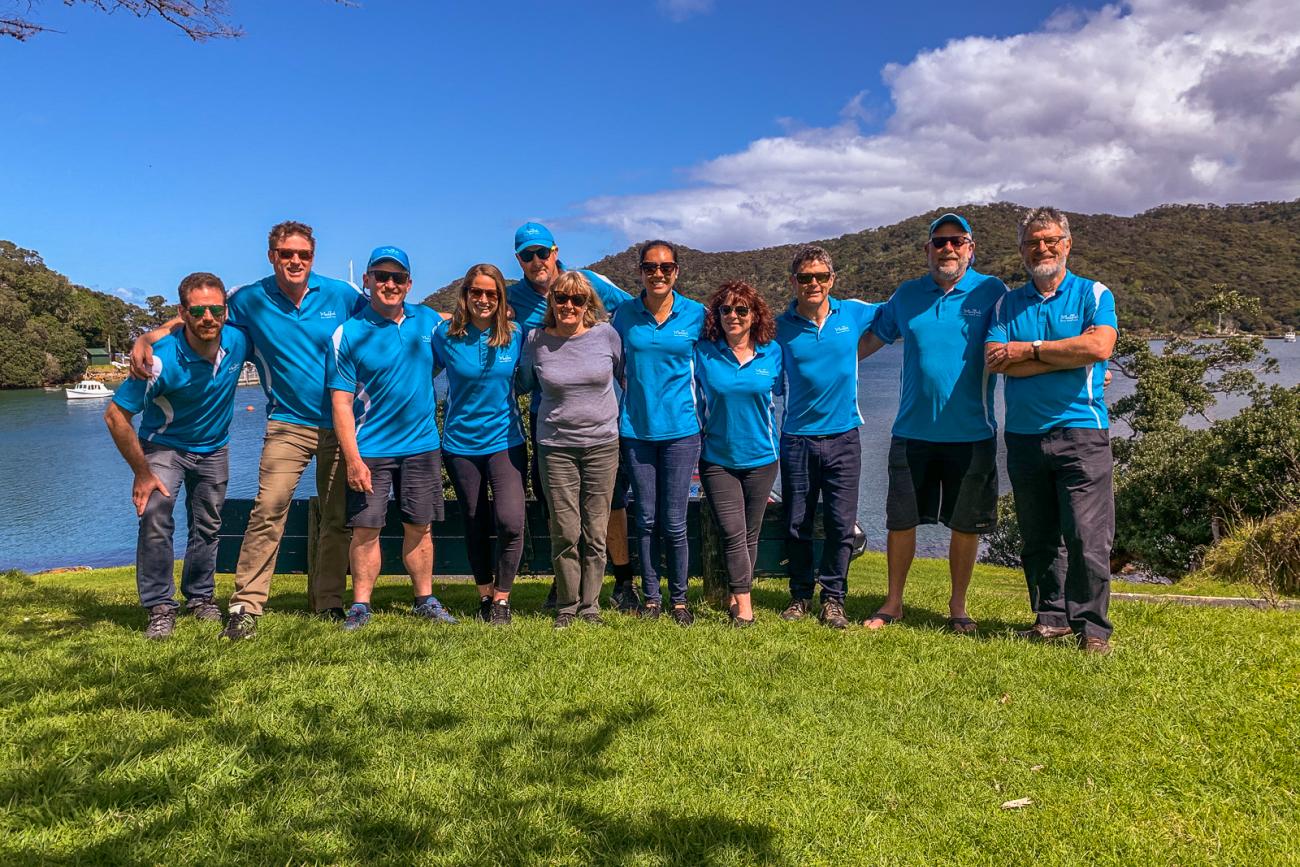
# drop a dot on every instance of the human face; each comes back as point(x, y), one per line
point(655, 266)
point(815, 292)
point(735, 326)
point(949, 252)
point(568, 315)
point(207, 327)
point(292, 272)
point(483, 299)
point(1045, 249)
point(388, 283)
point(542, 268)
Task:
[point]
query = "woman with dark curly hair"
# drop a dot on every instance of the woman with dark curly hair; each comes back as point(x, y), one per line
point(738, 373)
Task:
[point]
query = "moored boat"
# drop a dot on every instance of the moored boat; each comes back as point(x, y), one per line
point(87, 389)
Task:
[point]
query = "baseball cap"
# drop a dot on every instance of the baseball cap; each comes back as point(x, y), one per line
point(533, 235)
point(392, 254)
point(956, 219)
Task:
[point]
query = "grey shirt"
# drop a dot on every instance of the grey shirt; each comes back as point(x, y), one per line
point(578, 407)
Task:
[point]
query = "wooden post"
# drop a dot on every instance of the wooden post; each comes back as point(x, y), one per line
point(712, 564)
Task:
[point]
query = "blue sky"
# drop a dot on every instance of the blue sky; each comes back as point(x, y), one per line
point(133, 156)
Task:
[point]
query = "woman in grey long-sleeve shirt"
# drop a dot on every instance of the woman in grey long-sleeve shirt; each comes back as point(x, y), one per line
point(574, 359)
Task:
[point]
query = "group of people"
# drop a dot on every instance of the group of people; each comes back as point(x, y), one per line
point(630, 396)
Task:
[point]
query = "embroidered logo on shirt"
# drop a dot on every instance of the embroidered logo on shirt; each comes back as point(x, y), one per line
point(426, 338)
point(328, 314)
point(971, 311)
point(1069, 317)
point(841, 329)
point(762, 371)
point(681, 332)
point(504, 358)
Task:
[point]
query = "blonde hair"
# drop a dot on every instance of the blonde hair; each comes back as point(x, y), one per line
point(502, 327)
point(571, 283)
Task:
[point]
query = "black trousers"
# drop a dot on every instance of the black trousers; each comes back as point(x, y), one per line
point(1062, 481)
point(738, 499)
point(472, 475)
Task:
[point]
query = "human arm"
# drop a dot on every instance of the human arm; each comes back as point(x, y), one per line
point(1016, 357)
point(142, 350)
point(345, 429)
point(869, 343)
point(146, 482)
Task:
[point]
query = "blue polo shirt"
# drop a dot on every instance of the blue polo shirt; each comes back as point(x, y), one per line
point(290, 343)
point(189, 401)
point(482, 413)
point(821, 367)
point(530, 306)
point(1061, 398)
point(945, 395)
point(389, 367)
point(737, 409)
point(659, 363)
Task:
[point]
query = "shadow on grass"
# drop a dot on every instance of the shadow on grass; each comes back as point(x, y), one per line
point(859, 607)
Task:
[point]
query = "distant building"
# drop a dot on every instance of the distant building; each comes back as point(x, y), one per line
point(97, 356)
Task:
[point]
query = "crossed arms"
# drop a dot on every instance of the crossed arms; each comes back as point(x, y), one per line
point(1016, 358)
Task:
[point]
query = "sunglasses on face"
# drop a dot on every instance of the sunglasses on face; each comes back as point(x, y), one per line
point(485, 294)
point(806, 277)
point(739, 309)
point(576, 300)
point(958, 242)
point(529, 253)
point(286, 254)
point(397, 278)
point(218, 311)
point(669, 268)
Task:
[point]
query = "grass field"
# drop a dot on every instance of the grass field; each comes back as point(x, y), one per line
point(641, 743)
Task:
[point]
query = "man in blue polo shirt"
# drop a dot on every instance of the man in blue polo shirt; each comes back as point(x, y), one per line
point(943, 452)
point(380, 374)
point(539, 257)
point(821, 452)
point(188, 401)
point(1052, 338)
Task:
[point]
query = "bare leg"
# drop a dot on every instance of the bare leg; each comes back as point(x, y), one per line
point(364, 554)
point(417, 554)
point(900, 549)
point(743, 605)
point(962, 551)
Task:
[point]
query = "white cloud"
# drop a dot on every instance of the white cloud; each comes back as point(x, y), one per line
point(680, 10)
point(1119, 110)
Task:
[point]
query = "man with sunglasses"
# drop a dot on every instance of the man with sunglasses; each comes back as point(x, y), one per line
point(539, 258)
point(290, 316)
point(188, 402)
point(943, 451)
point(821, 452)
point(1052, 338)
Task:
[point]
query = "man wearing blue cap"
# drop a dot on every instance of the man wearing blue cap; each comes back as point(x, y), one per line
point(539, 257)
point(943, 451)
point(380, 374)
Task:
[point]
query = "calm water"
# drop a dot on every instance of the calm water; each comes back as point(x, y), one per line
point(67, 493)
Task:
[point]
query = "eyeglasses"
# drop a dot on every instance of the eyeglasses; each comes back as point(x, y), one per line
point(286, 254)
point(1049, 243)
point(669, 268)
point(397, 278)
point(806, 277)
point(739, 309)
point(218, 311)
point(486, 294)
point(526, 255)
point(957, 241)
point(576, 300)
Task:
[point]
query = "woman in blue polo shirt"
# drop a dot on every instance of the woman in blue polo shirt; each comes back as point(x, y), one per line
point(738, 371)
point(482, 441)
point(658, 421)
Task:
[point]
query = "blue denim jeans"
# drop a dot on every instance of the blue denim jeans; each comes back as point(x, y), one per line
point(204, 476)
point(661, 472)
point(827, 467)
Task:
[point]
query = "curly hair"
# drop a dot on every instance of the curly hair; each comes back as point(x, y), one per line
point(762, 327)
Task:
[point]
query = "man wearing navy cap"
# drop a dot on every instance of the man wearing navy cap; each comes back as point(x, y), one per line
point(943, 451)
point(539, 257)
point(1052, 338)
point(380, 374)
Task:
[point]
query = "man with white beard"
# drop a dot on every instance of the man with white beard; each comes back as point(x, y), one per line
point(1052, 338)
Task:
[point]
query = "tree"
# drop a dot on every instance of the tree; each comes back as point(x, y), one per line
point(200, 20)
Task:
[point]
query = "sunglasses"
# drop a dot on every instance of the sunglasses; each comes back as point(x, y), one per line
point(286, 254)
point(669, 268)
point(526, 255)
point(806, 277)
point(957, 242)
point(576, 300)
point(397, 278)
point(739, 309)
point(218, 311)
point(486, 294)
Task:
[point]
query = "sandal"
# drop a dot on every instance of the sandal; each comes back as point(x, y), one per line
point(884, 618)
point(962, 626)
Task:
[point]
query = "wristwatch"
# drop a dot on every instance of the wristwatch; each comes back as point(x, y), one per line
point(1037, 344)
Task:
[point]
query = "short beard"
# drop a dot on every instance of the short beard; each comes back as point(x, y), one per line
point(1046, 271)
point(957, 271)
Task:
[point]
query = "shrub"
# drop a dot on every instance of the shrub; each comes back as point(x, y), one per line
point(1002, 546)
point(1264, 553)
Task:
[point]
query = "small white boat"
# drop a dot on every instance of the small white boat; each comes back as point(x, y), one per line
point(248, 375)
point(1289, 337)
point(88, 388)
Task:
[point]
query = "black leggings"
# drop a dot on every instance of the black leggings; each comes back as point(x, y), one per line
point(471, 475)
point(738, 499)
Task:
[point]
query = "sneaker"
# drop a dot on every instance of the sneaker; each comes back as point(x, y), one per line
point(592, 617)
point(204, 610)
point(797, 609)
point(625, 598)
point(682, 615)
point(239, 627)
point(651, 610)
point(431, 609)
point(358, 616)
point(1096, 646)
point(832, 614)
point(162, 621)
point(500, 613)
point(485, 609)
point(336, 614)
point(564, 621)
point(549, 604)
point(1039, 632)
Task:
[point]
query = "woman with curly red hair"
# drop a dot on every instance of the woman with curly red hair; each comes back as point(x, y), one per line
point(738, 374)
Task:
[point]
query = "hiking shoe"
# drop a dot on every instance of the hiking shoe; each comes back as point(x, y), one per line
point(162, 621)
point(239, 626)
point(500, 613)
point(485, 609)
point(625, 598)
point(1039, 632)
point(682, 615)
point(549, 604)
point(592, 617)
point(564, 621)
point(651, 610)
point(431, 609)
point(1096, 646)
point(336, 614)
point(204, 610)
point(358, 616)
point(797, 609)
point(832, 614)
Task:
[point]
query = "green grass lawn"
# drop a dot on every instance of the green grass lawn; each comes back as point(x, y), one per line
point(642, 743)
